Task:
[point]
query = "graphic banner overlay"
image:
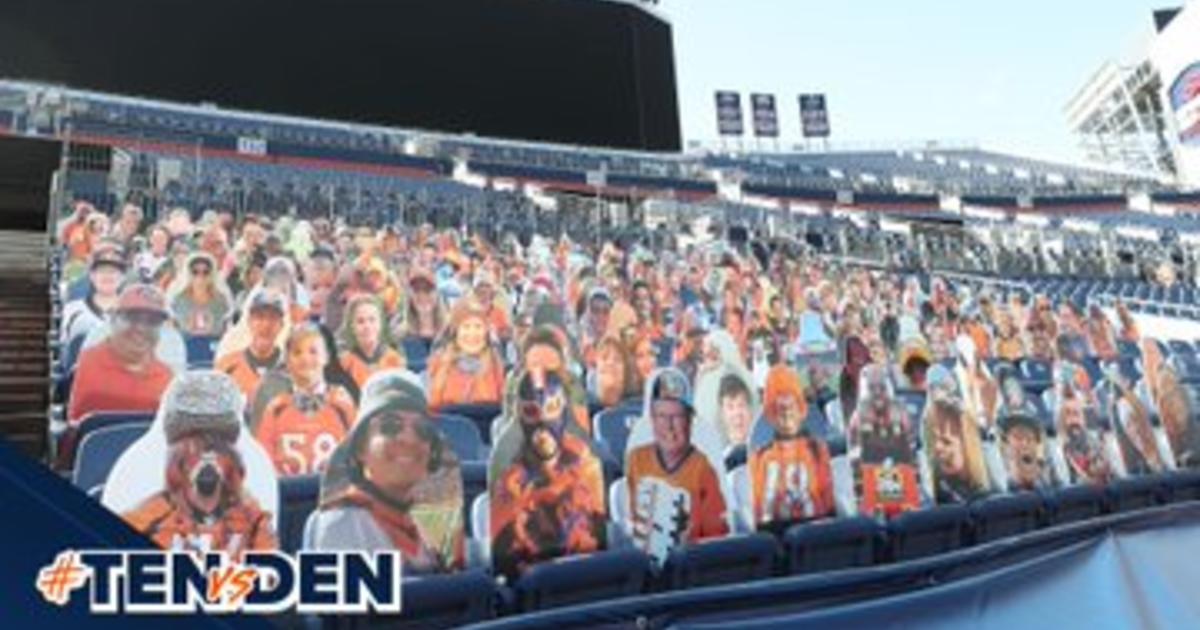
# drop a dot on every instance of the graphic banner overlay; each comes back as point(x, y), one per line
point(766, 119)
point(161, 582)
point(729, 114)
point(814, 118)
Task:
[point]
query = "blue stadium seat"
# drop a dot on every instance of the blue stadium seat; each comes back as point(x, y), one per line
point(474, 476)
point(1006, 515)
point(481, 415)
point(444, 601)
point(720, 561)
point(298, 496)
point(580, 579)
point(1092, 367)
point(832, 544)
point(1183, 485)
point(201, 351)
point(1075, 503)
point(99, 451)
point(1136, 493)
point(464, 437)
point(612, 427)
point(666, 352)
point(1178, 346)
point(1130, 367)
point(1187, 365)
point(928, 531)
point(1036, 376)
point(735, 456)
point(416, 353)
point(69, 440)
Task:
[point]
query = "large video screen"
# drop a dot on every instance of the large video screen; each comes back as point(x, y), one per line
point(581, 72)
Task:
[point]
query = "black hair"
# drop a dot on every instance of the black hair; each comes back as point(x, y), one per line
point(732, 385)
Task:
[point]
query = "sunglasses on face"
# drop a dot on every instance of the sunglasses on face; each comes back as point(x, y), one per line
point(143, 318)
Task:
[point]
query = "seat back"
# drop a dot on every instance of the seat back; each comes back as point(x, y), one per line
point(464, 437)
point(927, 532)
point(831, 545)
point(416, 354)
point(721, 561)
point(201, 350)
point(298, 498)
point(1004, 515)
point(481, 415)
point(585, 578)
point(612, 428)
point(100, 449)
point(446, 601)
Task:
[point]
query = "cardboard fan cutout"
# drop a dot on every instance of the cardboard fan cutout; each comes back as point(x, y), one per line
point(951, 443)
point(1086, 455)
point(196, 480)
point(1026, 446)
point(675, 472)
point(395, 482)
point(791, 477)
point(1128, 415)
point(817, 359)
point(546, 483)
point(301, 426)
point(725, 397)
point(883, 448)
point(127, 361)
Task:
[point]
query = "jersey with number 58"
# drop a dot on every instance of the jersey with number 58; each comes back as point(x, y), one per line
point(300, 432)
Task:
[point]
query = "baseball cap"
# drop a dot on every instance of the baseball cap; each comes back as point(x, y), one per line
point(671, 384)
point(142, 297)
point(108, 254)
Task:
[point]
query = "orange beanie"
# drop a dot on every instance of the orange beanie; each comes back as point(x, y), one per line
point(781, 381)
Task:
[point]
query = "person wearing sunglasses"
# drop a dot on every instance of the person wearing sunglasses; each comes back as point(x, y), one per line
point(122, 372)
point(200, 302)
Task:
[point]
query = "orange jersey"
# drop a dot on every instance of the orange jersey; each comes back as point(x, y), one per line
point(301, 443)
point(888, 490)
point(450, 384)
point(243, 527)
point(360, 369)
point(103, 383)
point(538, 515)
point(791, 481)
point(695, 476)
point(246, 370)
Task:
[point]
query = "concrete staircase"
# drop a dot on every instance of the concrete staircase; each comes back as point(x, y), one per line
point(25, 322)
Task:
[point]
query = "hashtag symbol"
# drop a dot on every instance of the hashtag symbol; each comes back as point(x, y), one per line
point(56, 581)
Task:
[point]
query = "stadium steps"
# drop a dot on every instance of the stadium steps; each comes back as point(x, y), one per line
point(24, 341)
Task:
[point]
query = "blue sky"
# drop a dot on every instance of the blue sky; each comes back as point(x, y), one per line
point(997, 73)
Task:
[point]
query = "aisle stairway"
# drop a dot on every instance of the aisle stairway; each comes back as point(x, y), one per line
point(24, 334)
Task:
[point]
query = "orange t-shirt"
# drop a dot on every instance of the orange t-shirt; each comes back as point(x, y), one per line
point(360, 369)
point(696, 477)
point(791, 481)
point(103, 383)
point(301, 443)
point(245, 371)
